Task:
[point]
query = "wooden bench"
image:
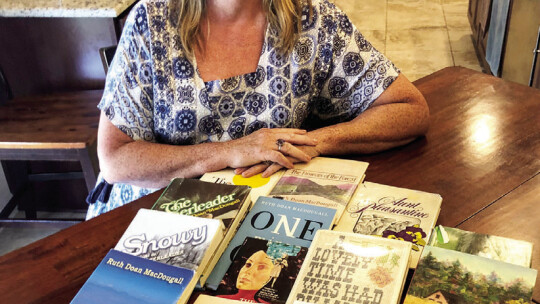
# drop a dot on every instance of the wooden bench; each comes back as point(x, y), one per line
point(59, 127)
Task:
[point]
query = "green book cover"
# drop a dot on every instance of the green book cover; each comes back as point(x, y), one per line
point(203, 199)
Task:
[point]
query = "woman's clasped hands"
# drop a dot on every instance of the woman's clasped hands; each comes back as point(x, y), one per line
point(268, 150)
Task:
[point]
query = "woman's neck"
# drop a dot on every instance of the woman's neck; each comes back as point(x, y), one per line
point(234, 11)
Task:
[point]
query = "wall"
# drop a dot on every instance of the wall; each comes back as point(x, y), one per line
point(43, 55)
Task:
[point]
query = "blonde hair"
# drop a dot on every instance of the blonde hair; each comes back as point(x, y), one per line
point(283, 16)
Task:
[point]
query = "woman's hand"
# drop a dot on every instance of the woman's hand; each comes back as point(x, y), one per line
point(268, 169)
point(262, 146)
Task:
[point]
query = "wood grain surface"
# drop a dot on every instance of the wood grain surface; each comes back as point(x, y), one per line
point(484, 141)
point(56, 121)
point(482, 145)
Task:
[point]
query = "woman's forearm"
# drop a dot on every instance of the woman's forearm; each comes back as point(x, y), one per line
point(377, 129)
point(397, 117)
point(152, 165)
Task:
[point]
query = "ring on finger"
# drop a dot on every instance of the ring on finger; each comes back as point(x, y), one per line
point(279, 143)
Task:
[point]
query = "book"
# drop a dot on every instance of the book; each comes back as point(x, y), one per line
point(323, 181)
point(343, 267)
point(485, 245)
point(449, 276)
point(174, 239)
point(124, 278)
point(208, 299)
point(262, 271)
point(260, 186)
point(193, 197)
point(392, 212)
point(274, 220)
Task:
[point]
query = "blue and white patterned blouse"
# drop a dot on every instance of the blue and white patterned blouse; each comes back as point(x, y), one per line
point(153, 92)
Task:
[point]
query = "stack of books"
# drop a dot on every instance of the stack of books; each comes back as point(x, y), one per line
point(316, 233)
point(465, 267)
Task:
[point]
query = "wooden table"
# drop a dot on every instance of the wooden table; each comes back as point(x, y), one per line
point(481, 154)
point(60, 127)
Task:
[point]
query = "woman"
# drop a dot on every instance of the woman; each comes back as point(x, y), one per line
point(253, 276)
point(198, 86)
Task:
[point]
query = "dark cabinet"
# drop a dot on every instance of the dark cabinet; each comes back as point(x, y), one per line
point(479, 13)
point(520, 37)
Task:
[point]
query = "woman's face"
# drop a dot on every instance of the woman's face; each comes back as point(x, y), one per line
point(256, 272)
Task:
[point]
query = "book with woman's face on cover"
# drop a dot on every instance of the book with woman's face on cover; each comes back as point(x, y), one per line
point(262, 271)
point(274, 220)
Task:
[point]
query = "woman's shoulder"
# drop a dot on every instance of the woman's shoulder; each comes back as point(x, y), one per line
point(144, 8)
point(323, 14)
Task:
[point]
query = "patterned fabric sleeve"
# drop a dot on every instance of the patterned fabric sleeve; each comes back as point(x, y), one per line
point(349, 72)
point(127, 98)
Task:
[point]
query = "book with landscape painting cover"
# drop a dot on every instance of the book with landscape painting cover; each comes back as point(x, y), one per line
point(179, 240)
point(260, 186)
point(325, 182)
point(489, 246)
point(124, 278)
point(228, 203)
point(274, 220)
point(343, 267)
point(262, 271)
point(449, 276)
point(392, 212)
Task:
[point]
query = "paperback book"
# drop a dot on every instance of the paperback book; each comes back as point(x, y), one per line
point(124, 278)
point(260, 186)
point(208, 299)
point(203, 199)
point(325, 182)
point(449, 276)
point(484, 245)
point(274, 220)
point(227, 203)
point(174, 239)
point(392, 212)
point(262, 271)
point(343, 267)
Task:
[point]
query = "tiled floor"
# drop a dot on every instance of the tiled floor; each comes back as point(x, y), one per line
point(419, 36)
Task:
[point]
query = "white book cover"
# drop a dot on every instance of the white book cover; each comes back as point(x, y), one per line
point(392, 212)
point(260, 186)
point(343, 267)
point(170, 238)
point(325, 182)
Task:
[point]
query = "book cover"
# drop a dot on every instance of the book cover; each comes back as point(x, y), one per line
point(179, 240)
point(124, 278)
point(173, 239)
point(228, 203)
point(484, 245)
point(449, 276)
point(343, 267)
point(274, 220)
point(392, 212)
point(326, 182)
point(208, 299)
point(260, 186)
point(203, 199)
point(262, 271)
